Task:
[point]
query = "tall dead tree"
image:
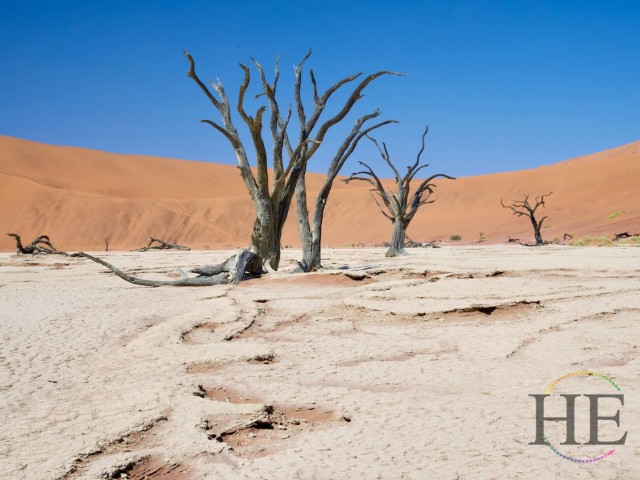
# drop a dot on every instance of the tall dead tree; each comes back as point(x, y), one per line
point(311, 234)
point(522, 208)
point(273, 199)
point(399, 207)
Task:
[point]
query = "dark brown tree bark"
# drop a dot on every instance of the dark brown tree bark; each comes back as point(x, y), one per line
point(272, 200)
point(522, 208)
point(620, 236)
point(399, 208)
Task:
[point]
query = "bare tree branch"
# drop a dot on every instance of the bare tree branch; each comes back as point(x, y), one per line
point(162, 245)
point(234, 270)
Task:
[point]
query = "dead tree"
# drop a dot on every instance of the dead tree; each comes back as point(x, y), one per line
point(311, 234)
point(162, 245)
point(35, 247)
point(522, 208)
point(399, 207)
point(620, 236)
point(244, 265)
point(273, 199)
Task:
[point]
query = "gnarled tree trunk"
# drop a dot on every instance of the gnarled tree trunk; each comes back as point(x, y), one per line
point(398, 233)
point(268, 226)
point(536, 232)
point(307, 263)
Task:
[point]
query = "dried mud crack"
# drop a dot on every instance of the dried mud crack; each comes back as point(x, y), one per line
point(271, 426)
point(151, 468)
point(487, 310)
point(135, 441)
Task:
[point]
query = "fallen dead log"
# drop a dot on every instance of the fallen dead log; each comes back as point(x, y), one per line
point(619, 236)
point(413, 244)
point(241, 266)
point(35, 247)
point(162, 245)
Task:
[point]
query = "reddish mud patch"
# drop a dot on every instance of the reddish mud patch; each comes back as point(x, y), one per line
point(329, 280)
point(274, 428)
point(146, 437)
point(202, 367)
point(155, 468)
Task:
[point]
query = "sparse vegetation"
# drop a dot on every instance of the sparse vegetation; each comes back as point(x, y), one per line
point(615, 214)
point(455, 238)
point(483, 238)
point(586, 240)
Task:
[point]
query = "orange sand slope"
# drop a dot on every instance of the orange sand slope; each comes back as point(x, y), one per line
point(82, 198)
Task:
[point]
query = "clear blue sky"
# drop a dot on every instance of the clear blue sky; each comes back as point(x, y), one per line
point(504, 85)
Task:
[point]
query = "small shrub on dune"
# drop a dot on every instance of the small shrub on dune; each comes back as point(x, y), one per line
point(585, 241)
point(632, 241)
point(615, 214)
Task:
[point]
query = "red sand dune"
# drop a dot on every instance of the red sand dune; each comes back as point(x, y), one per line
point(82, 197)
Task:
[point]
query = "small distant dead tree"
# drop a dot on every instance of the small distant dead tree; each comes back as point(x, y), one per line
point(273, 199)
point(161, 245)
point(239, 267)
point(311, 234)
point(523, 208)
point(36, 247)
point(620, 236)
point(399, 207)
